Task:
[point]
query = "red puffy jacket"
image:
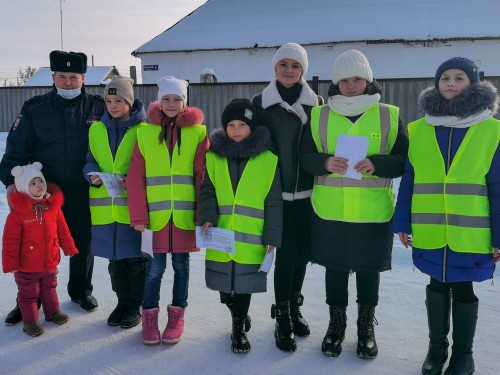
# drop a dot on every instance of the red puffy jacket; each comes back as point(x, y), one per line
point(34, 233)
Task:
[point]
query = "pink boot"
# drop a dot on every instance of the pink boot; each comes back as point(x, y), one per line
point(150, 331)
point(175, 325)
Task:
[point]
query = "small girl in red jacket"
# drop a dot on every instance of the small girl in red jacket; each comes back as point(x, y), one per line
point(34, 232)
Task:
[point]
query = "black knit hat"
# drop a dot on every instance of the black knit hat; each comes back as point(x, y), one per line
point(240, 109)
point(74, 62)
point(461, 63)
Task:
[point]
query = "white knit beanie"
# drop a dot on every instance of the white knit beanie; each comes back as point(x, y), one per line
point(23, 176)
point(351, 63)
point(121, 86)
point(171, 85)
point(292, 51)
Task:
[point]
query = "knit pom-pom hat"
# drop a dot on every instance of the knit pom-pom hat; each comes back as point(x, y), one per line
point(23, 176)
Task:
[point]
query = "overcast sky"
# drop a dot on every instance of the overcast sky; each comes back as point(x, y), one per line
point(108, 30)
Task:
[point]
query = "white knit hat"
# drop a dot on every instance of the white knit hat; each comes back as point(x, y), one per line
point(171, 85)
point(292, 51)
point(23, 176)
point(351, 63)
point(121, 86)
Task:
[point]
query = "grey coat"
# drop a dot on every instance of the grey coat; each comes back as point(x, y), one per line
point(231, 276)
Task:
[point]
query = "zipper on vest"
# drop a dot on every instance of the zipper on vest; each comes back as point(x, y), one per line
point(170, 150)
point(448, 163)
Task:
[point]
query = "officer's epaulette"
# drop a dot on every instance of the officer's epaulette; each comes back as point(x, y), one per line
point(33, 99)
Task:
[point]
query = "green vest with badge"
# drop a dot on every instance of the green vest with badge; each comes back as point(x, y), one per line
point(103, 208)
point(335, 197)
point(170, 185)
point(242, 212)
point(452, 207)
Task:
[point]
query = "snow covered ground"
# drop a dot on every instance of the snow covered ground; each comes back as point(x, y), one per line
point(86, 345)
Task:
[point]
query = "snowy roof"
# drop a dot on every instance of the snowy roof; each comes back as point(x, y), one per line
point(230, 24)
point(95, 75)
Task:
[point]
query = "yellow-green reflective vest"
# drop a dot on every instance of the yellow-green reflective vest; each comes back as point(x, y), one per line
point(452, 208)
point(242, 212)
point(104, 209)
point(369, 200)
point(170, 186)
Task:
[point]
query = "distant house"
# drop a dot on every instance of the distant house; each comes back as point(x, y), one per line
point(95, 75)
point(401, 38)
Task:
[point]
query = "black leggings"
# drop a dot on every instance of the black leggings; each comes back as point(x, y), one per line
point(294, 253)
point(337, 294)
point(462, 291)
point(240, 302)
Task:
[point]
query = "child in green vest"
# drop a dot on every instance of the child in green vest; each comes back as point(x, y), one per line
point(448, 207)
point(241, 192)
point(111, 142)
point(164, 181)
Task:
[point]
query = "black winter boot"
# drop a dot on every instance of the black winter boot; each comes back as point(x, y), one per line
point(464, 329)
point(118, 272)
point(367, 345)
point(15, 316)
point(438, 318)
point(300, 326)
point(332, 343)
point(247, 322)
point(136, 270)
point(239, 340)
point(285, 339)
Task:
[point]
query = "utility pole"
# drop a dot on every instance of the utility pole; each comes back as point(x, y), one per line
point(61, 15)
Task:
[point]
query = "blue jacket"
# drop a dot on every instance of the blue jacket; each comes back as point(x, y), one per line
point(115, 240)
point(456, 266)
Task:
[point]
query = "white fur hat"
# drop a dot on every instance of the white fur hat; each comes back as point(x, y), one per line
point(351, 63)
point(171, 85)
point(23, 176)
point(292, 51)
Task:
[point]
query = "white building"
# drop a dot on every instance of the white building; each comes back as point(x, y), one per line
point(401, 38)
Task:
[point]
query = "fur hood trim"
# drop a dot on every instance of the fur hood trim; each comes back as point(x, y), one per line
point(258, 142)
point(190, 116)
point(22, 202)
point(474, 99)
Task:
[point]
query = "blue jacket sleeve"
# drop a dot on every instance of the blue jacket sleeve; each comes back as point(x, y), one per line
point(402, 215)
point(90, 165)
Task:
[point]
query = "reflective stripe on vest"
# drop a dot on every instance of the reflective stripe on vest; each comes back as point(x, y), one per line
point(242, 212)
point(452, 208)
point(371, 199)
point(170, 180)
point(104, 209)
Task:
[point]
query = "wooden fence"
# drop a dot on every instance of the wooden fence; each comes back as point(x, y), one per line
point(211, 98)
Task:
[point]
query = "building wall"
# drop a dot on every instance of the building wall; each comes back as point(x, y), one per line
point(388, 60)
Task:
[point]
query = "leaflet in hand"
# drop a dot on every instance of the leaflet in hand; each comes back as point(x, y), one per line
point(353, 148)
point(267, 263)
point(216, 238)
point(147, 242)
point(111, 182)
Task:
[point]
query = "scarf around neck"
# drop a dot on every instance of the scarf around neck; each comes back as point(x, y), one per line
point(352, 105)
point(458, 122)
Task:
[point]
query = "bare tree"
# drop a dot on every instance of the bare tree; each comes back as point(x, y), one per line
point(24, 75)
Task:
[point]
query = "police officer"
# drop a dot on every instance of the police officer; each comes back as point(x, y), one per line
point(53, 129)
